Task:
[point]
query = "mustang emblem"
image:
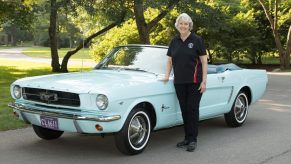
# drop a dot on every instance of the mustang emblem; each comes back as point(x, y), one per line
point(48, 96)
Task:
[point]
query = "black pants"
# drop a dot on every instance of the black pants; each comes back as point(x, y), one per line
point(189, 99)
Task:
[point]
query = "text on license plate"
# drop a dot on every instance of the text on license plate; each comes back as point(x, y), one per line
point(49, 122)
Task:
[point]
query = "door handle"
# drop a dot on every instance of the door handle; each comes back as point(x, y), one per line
point(221, 78)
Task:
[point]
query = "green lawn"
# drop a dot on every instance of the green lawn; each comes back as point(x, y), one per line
point(11, 70)
point(286, 70)
point(45, 52)
point(4, 47)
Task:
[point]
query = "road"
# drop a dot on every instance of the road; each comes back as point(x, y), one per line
point(265, 138)
point(16, 54)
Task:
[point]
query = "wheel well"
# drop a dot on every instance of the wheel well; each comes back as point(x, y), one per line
point(149, 107)
point(247, 91)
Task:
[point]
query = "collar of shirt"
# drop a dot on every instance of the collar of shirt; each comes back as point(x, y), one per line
point(191, 36)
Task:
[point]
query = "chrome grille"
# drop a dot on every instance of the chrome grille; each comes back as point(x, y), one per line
point(51, 96)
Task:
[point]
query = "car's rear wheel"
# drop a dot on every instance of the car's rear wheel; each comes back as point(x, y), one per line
point(47, 134)
point(135, 134)
point(238, 114)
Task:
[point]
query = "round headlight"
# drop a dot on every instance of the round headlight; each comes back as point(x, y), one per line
point(102, 102)
point(17, 91)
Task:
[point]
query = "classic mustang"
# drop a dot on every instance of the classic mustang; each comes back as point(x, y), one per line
point(125, 96)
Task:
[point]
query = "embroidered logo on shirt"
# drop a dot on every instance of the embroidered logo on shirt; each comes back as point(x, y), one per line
point(190, 45)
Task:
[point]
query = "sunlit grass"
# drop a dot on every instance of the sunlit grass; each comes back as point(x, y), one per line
point(45, 52)
point(11, 70)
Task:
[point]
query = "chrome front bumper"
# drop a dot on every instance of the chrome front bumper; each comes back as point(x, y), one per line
point(23, 108)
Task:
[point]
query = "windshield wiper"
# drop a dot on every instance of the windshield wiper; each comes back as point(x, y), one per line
point(127, 69)
point(140, 70)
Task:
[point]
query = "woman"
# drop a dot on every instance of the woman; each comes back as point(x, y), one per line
point(187, 56)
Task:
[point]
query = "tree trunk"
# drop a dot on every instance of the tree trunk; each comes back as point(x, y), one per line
point(141, 24)
point(145, 28)
point(288, 48)
point(13, 40)
point(53, 37)
point(64, 66)
point(229, 58)
point(259, 58)
point(210, 61)
point(284, 60)
point(284, 54)
point(13, 36)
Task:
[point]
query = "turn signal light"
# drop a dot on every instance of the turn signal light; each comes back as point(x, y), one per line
point(99, 127)
point(16, 114)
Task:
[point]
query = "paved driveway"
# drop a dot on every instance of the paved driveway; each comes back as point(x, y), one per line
point(16, 54)
point(264, 138)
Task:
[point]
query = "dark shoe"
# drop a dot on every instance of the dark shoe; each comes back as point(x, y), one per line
point(182, 144)
point(191, 146)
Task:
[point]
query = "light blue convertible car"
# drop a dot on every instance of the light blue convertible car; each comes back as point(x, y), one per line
point(124, 96)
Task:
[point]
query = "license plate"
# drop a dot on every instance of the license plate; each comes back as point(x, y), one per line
point(49, 122)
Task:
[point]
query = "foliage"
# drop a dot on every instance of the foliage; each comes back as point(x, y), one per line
point(117, 36)
point(121, 35)
point(273, 14)
point(16, 12)
point(231, 29)
point(16, 18)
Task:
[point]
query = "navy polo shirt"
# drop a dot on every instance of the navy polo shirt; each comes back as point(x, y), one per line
point(185, 59)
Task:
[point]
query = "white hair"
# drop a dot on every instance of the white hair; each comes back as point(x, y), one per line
point(184, 17)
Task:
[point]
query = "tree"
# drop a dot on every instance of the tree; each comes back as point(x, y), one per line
point(104, 8)
point(264, 42)
point(53, 36)
point(86, 41)
point(117, 17)
point(143, 27)
point(16, 12)
point(16, 17)
point(284, 53)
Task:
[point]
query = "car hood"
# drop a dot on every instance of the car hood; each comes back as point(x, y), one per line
point(97, 81)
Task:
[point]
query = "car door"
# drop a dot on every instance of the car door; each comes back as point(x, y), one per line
point(218, 93)
point(215, 98)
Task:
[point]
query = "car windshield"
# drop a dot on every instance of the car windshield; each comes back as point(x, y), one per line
point(136, 58)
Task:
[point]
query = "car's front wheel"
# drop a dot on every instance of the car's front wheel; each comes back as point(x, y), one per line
point(135, 134)
point(238, 114)
point(47, 134)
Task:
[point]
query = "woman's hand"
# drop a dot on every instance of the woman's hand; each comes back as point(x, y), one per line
point(165, 79)
point(203, 59)
point(202, 87)
point(168, 70)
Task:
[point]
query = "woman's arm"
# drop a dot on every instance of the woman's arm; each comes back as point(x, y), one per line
point(168, 69)
point(203, 59)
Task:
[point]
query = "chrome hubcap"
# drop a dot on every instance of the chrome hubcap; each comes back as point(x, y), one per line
point(241, 108)
point(137, 130)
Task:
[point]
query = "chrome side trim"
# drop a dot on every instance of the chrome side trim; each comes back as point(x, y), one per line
point(230, 94)
point(100, 118)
